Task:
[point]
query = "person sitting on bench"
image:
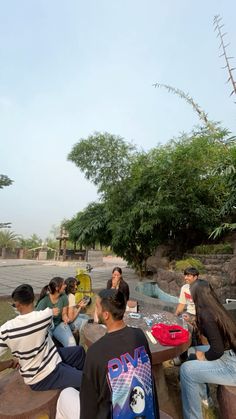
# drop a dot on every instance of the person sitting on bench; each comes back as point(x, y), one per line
point(42, 365)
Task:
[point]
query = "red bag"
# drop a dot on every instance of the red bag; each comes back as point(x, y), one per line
point(170, 334)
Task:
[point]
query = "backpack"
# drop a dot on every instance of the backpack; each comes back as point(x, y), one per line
point(170, 334)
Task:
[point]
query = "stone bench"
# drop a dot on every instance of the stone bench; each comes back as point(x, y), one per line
point(226, 396)
point(18, 401)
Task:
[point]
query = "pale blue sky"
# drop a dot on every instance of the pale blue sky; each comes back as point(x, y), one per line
point(69, 68)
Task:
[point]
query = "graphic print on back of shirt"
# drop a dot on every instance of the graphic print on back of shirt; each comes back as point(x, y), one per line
point(188, 296)
point(130, 382)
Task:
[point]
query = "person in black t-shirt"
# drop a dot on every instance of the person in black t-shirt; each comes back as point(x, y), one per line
point(117, 378)
point(117, 282)
point(217, 364)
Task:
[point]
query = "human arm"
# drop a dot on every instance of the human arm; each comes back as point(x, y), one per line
point(124, 288)
point(215, 339)
point(89, 395)
point(64, 315)
point(74, 311)
point(179, 309)
point(9, 363)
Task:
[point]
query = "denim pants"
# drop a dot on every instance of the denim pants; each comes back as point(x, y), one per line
point(63, 334)
point(194, 375)
point(79, 322)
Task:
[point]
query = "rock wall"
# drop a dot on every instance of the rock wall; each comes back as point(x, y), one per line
point(220, 271)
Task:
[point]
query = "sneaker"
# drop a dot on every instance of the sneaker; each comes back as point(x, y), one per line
point(177, 361)
point(208, 402)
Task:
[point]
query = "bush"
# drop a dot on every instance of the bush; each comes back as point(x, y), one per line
point(212, 249)
point(181, 265)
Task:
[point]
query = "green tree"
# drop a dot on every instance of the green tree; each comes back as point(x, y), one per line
point(8, 239)
point(172, 195)
point(5, 181)
point(103, 158)
point(90, 226)
point(30, 242)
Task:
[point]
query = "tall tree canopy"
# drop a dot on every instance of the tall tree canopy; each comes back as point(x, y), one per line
point(174, 192)
point(103, 158)
point(90, 226)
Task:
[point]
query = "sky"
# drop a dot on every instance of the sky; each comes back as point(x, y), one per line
point(70, 68)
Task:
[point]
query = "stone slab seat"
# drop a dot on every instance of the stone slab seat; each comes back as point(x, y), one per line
point(226, 396)
point(18, 401)
point(164, 415)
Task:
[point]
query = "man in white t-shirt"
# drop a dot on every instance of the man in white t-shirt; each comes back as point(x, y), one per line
point(185, 298)
point(185, 301)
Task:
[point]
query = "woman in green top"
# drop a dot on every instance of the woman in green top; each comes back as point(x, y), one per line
point(53, 295)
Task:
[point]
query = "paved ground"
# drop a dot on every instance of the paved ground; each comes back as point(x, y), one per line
point(14, 272)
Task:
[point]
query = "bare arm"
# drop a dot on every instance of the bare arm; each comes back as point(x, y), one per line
point(179, 309)
point(64, 315)
point(74, 311)
point(10, 363)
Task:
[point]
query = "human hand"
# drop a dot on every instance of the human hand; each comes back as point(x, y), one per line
point(186, 317)
point(15, 363)
point(81, 304)
point(65, 319)
point(200, 356)
point(55, 311)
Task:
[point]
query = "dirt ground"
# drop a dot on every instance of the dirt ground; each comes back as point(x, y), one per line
point(174, 407)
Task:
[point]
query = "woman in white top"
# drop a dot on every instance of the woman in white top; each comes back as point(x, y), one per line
point(76, 319)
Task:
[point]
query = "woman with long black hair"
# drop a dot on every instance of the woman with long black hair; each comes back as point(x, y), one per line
point(217, 365)
point(117, 282)
point(53, 295)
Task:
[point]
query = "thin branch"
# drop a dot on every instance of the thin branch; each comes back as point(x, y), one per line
point(218, 28)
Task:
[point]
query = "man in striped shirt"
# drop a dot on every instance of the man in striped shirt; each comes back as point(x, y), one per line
point(42, 365)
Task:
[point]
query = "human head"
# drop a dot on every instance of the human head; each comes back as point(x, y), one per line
point(190, 274)
point(110, 303)
point(56, 284)
point(71, 284)
point(116, 276)
point(23, 294)
point(23, 297)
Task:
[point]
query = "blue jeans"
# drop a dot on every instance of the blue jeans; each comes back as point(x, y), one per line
point(63, 334)
point(194, 375)
point(79, 322)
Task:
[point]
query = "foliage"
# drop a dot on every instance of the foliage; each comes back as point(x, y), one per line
point(202, 114)
point(213, 249)
point(222, 229)
point(90, 226)
point(183, 264)
point(30, 243)
point(5, 225)
point(5, 181)
point(103, 158)
point(173, 193)
point(8, 239)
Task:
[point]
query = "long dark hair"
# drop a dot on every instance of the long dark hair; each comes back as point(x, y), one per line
point(51, 288)
point(70, 285)
point(205, 298)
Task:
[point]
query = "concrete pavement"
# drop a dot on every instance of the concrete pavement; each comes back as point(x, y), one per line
point(14, 272)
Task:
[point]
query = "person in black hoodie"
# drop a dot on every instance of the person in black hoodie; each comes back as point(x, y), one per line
point(117, 378)
point(216, 365)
